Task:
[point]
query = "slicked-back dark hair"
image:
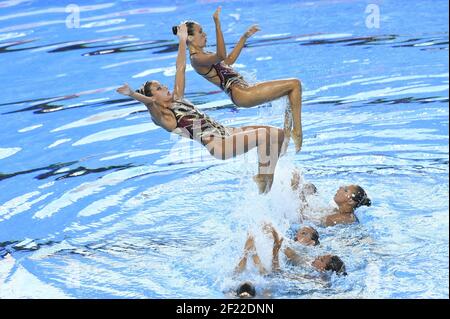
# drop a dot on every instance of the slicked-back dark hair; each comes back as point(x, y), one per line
point(190, 26)
point(145, 89)
point(360, 197)
point(336, 264)
point(246, 287)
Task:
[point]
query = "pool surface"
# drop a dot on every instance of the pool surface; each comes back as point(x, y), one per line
point(96, 201)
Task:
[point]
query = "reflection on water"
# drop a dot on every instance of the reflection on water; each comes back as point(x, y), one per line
point(96, 201)
point(440, 41)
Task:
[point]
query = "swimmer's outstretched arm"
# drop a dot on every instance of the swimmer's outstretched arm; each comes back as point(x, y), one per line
point(178, 90)
point(293, 257)
point(128, 91)
point(208, 59)
point(232, 57)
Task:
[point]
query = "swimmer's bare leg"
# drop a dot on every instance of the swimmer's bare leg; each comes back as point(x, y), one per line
point(241, 265)
point(259, 265)
point(287, 131)
point(250, 249)
point(265, 176)
point(295, 100)
point(268, 91)
point(295, 181)
point(268, 141)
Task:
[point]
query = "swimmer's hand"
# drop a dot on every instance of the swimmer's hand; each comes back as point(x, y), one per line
point(251, 31)
point(216, 14)
point(125, 90)
point(182, 32)
point(277, 240)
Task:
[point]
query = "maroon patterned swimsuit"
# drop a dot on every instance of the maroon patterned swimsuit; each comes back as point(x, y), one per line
point(193, 124)
point(227, 77)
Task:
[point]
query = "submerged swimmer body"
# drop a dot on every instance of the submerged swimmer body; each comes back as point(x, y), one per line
point(173, 113)
point(216, 68)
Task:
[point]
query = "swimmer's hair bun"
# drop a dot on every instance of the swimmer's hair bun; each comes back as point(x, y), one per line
point(366, 202)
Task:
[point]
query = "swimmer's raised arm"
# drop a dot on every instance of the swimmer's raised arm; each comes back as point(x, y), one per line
point(207, 59)
point(293, 257)
point(232, 57)
point(128, 91)
point(221, 50)
point(178, 90)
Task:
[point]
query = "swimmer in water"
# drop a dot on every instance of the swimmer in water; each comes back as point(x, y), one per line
point(307, 236)
point(250, 252)
point(172, 112)
point(347, 198)
point(216, 68)
point(247, 288)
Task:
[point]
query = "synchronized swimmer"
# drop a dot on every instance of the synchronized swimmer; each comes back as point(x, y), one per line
point(172, 112)
point(347, 198)
point(216, 68)
point(307, 236)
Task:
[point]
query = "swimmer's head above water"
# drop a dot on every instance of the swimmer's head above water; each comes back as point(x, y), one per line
point(246, 290)
point(307, 236)
point(330, 262)
point(196, 36)
point(352, 195)
point(156, 91)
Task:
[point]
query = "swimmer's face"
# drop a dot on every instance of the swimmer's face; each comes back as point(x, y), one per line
point(199, 38)
point(345, 195)
point(160, 93)
point(307, 236)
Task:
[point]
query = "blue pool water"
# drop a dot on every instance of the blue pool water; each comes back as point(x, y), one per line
point(98, 202)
